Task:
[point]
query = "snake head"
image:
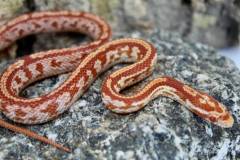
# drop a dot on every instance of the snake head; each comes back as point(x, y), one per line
point(217, 112)
point(224, 119)
point(211, 110)
point(207, 107)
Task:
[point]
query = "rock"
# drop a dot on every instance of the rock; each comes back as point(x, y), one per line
point(164, 129)
point(215, 22)
point(9, 9)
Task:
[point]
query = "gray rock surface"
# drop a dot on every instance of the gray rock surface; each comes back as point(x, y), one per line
point(164, 129)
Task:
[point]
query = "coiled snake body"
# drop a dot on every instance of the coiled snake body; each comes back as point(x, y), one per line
point(86, 62)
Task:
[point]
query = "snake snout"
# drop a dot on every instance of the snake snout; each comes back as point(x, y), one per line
point(226, 120)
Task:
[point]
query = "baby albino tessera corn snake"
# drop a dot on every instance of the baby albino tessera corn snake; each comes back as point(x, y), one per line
point(85, 63)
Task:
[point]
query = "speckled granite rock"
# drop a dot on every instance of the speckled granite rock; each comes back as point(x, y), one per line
point(164, 129)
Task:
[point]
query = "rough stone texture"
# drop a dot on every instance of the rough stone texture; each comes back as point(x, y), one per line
point(164, 129)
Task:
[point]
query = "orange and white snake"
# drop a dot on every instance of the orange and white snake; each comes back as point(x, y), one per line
point(86, 62)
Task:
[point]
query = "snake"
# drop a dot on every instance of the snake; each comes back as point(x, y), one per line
point(85, 63)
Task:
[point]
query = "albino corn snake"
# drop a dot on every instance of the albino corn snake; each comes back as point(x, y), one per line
point(86, 62)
